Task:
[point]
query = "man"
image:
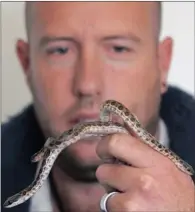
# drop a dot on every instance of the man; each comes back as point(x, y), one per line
point(78, 55)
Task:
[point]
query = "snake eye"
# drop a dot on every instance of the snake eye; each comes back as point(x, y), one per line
point(11, 200)
point(7, 203)
point(52, 144)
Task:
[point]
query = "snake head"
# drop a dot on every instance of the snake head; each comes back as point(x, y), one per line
point(38, 156)
point(12, 201)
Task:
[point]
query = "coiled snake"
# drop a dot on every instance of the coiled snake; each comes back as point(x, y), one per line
point(53, 147)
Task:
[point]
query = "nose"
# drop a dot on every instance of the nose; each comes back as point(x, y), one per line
point(88, 79)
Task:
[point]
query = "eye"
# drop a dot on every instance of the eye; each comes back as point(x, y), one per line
point(57, 50)
point(120, 49)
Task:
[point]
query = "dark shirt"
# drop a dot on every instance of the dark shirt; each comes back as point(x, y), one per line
point(22, 137)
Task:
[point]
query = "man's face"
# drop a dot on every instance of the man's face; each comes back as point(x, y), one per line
point(81, 54)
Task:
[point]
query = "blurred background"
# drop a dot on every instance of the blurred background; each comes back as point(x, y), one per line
point(178, 22)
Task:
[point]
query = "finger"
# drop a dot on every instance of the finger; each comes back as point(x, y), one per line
point(118, 202)
point(120, 177)
point(127, 149)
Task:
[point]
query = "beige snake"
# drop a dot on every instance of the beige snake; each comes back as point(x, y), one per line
point(53, 147)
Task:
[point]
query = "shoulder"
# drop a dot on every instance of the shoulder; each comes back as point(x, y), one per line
point(177, 95)
point(21, 136)
point(13, 125)
point(13, 132)
point(178, 105)
point(17, 144)
point(178, 112)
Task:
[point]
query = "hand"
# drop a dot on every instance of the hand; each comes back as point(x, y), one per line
point(151, 183)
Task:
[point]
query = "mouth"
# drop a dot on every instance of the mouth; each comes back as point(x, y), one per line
point(92, 117)
point(81, 159)
point(84, 118)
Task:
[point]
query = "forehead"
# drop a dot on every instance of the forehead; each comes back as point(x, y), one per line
point(59, 17)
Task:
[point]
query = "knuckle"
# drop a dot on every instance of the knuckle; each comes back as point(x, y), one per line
point(146, 183)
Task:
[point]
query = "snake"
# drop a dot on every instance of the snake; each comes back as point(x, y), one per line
point(47, 155)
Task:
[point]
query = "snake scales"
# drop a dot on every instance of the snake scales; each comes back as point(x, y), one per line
point(53, 147)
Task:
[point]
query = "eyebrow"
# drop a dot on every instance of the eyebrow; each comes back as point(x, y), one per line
point(48, 39)
point(128, 36)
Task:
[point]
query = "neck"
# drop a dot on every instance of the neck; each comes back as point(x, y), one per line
point(76, 196)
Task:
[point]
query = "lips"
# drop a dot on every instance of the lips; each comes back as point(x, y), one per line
point(91, 117)
point(84, 117)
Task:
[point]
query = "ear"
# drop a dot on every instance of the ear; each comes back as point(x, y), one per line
point(165, 56)
point(22, 51)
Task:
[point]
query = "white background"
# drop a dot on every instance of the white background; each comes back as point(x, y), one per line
point(178, 22)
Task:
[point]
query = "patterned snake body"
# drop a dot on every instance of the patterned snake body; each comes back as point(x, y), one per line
point(53, 147)
point(112, 106)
